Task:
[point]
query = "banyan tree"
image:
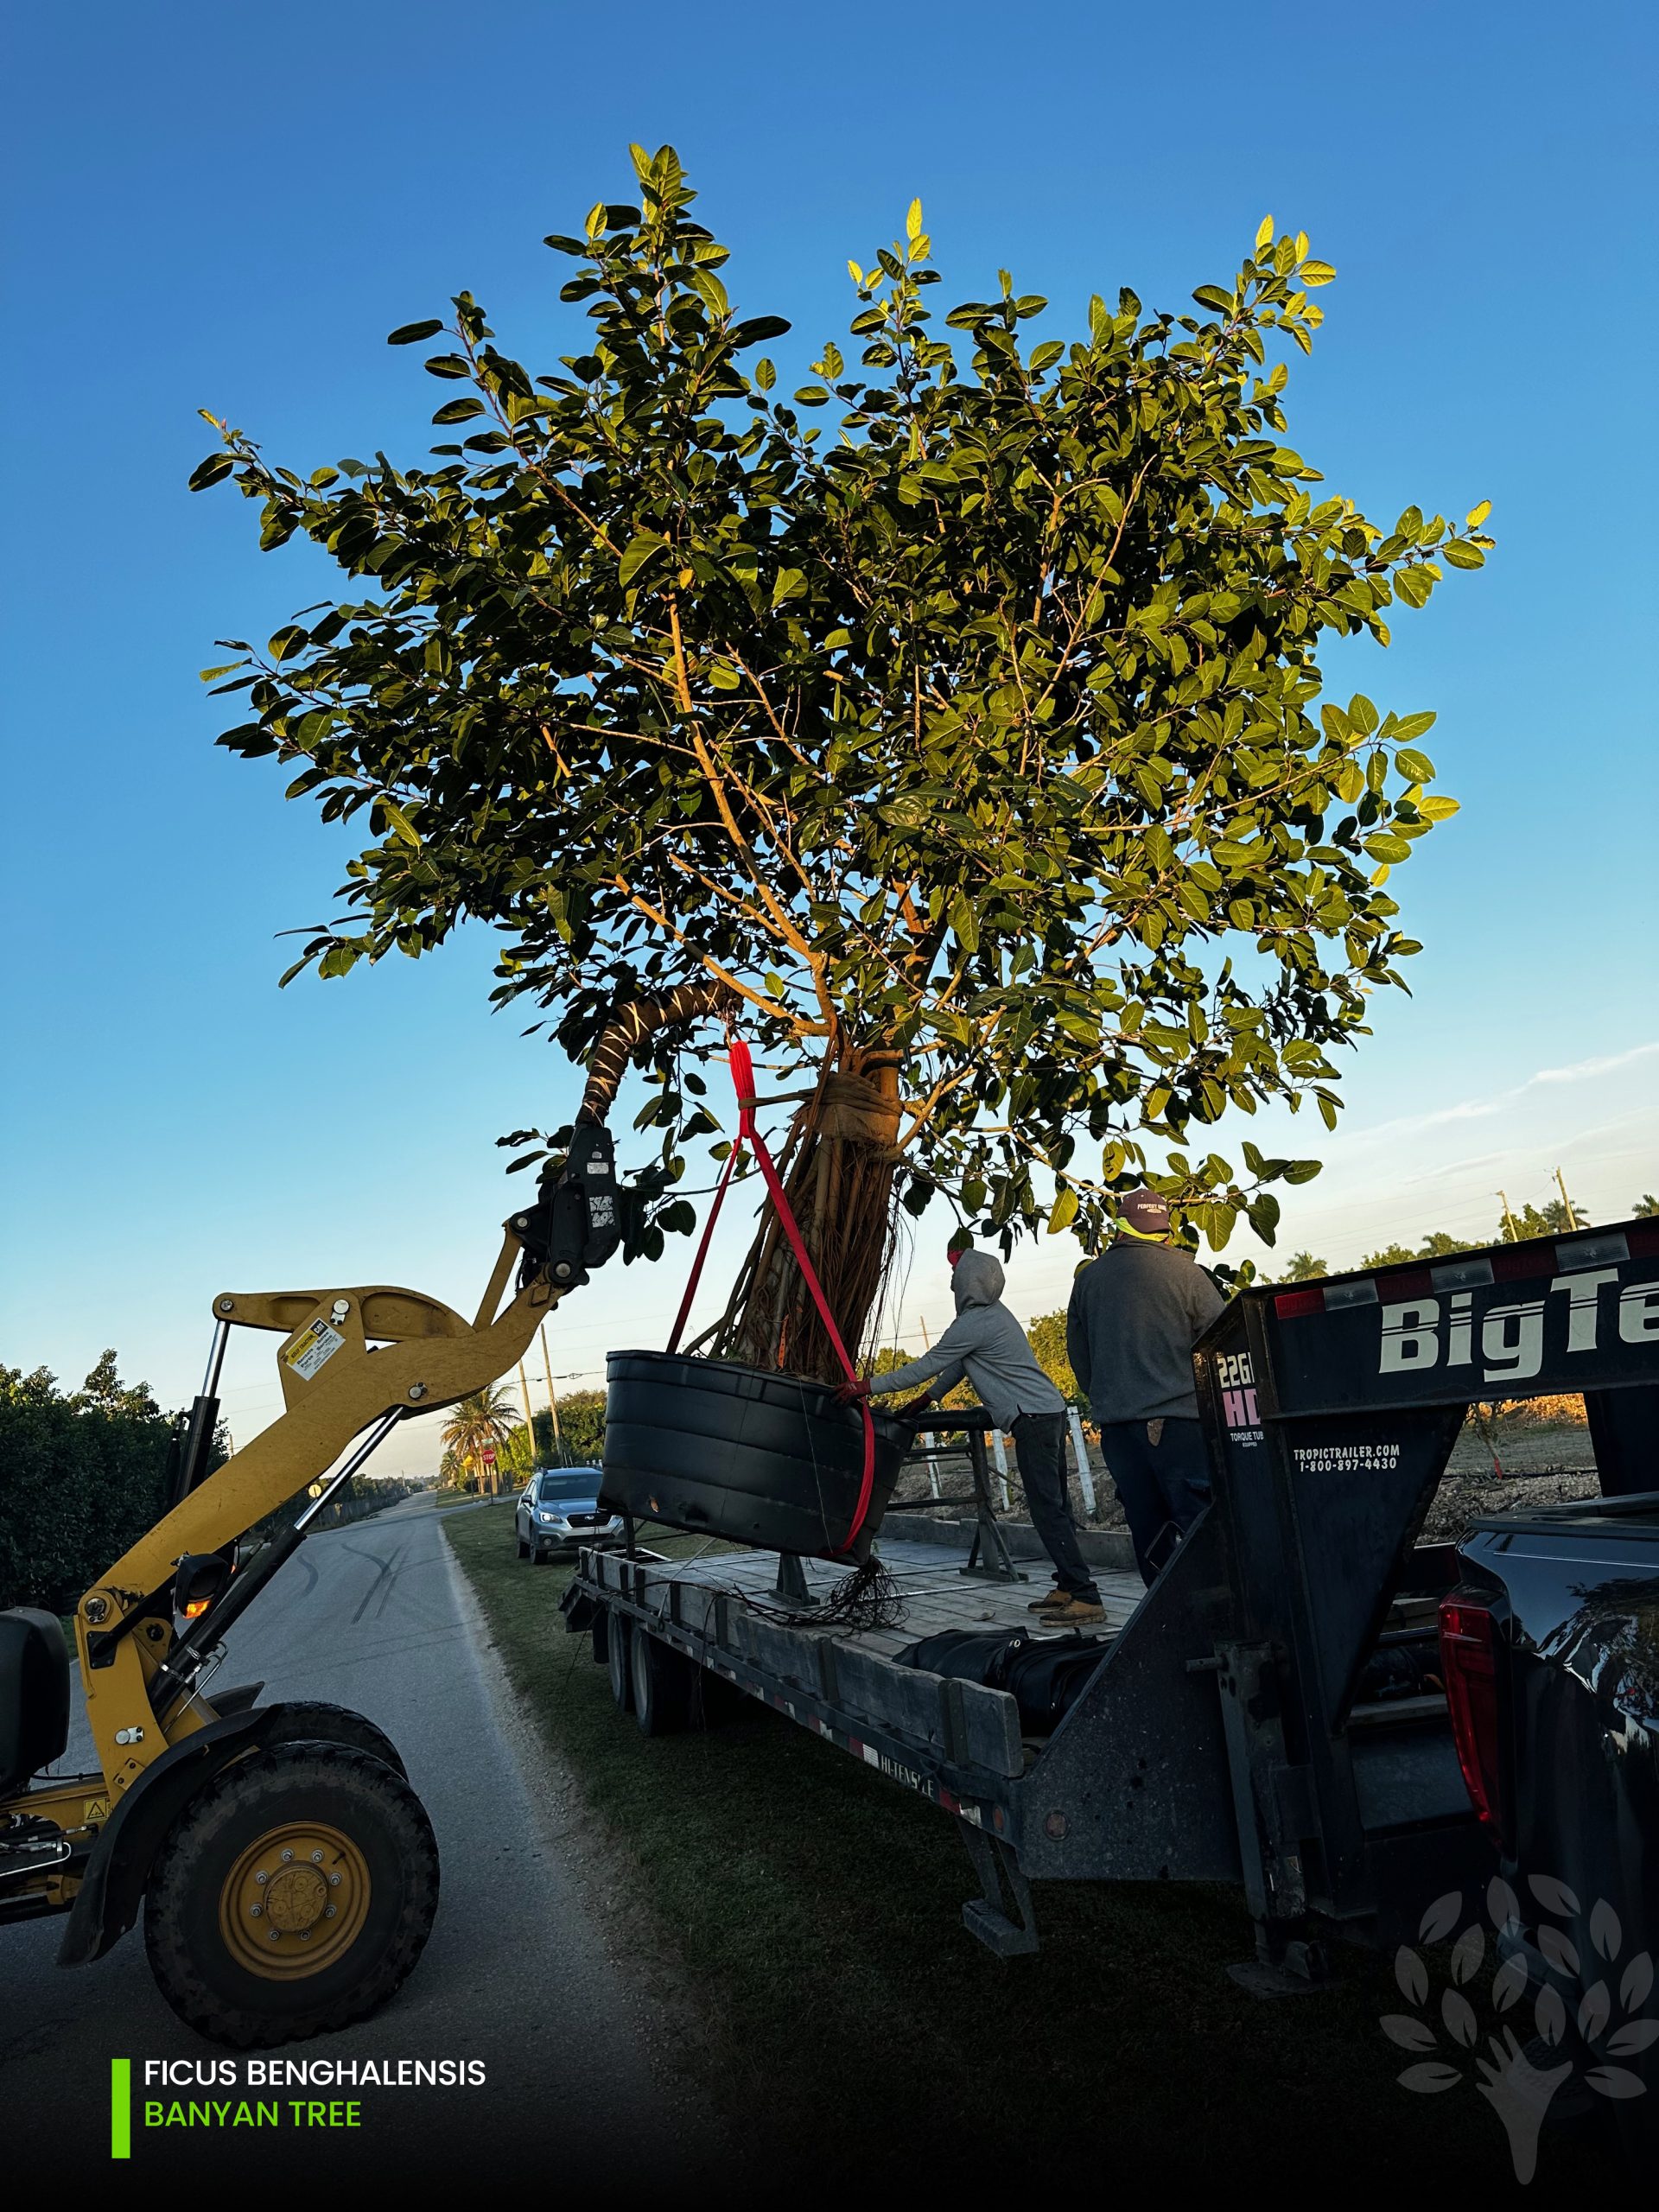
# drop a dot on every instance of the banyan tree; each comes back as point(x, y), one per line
point(951, 729)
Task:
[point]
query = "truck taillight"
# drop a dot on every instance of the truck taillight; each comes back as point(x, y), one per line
point(1469, 1662)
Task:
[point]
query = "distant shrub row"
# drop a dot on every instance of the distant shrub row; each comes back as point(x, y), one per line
point(82, 1475)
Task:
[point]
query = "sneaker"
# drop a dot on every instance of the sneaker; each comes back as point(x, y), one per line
point(1074, 1612)
point(1046, 1604)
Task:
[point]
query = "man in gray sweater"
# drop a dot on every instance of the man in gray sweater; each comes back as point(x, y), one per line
point(1134, 1315)
point(988, 1345)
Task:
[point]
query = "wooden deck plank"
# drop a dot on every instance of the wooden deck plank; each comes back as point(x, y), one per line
point(933, 1595)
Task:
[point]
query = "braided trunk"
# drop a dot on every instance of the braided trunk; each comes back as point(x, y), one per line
point(837, 1165)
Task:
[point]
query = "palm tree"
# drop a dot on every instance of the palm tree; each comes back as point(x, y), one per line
point(1305, 1267)
point(481, 1423)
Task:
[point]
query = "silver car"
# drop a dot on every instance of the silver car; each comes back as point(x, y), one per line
point(559, 1510)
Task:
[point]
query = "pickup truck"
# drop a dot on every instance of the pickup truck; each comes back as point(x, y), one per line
point(1550, 1651)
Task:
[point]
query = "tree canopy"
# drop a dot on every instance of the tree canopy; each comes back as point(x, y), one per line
point(963, 708)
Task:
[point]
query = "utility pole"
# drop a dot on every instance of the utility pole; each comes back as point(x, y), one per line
point(552, 1400)
point(1572, 1218)
point(530, 1423)
point(1508, 1219)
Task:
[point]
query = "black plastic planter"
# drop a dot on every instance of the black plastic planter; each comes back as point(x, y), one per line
point(737, 1451)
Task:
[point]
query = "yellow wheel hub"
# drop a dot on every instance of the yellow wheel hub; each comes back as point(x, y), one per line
point(294, 1901)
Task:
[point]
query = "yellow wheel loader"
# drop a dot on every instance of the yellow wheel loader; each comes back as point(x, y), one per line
point(287, 1872)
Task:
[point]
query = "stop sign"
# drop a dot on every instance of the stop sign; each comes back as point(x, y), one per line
point(489, 1455)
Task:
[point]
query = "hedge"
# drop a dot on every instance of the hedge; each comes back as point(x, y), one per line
point(82, 1476)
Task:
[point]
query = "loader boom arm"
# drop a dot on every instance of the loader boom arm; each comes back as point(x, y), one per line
point(349, 1358)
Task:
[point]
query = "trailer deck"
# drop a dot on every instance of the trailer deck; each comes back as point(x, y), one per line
point(726, 1604)
point(726, 1609)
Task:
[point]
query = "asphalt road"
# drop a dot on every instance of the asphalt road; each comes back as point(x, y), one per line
point(379, 1618)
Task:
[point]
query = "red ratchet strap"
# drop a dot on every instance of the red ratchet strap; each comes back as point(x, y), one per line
point(743, 1078)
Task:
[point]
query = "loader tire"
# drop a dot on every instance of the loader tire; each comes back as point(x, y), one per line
point(311, 1721)
point(293, 1896)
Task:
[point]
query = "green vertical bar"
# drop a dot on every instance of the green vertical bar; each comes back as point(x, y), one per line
point(120, 2108)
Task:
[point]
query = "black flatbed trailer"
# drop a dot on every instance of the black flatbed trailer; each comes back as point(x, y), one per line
point(1227, 1732)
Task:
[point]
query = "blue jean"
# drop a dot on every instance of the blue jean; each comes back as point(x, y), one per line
point(1162, 1487)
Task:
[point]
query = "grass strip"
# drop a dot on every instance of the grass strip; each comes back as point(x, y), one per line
point(856, 2029)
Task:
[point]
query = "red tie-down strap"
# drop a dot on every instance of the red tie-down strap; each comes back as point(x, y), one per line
point(743, 1079)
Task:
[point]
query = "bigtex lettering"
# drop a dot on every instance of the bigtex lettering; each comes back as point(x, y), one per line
point(1507, 1341)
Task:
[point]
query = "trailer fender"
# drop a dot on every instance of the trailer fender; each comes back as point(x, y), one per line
point(580, 1610)
point(118, 1873)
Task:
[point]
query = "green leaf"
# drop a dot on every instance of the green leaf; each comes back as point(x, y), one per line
point(213, 470)
point(639, 552)
point(1410, 726)
point(459, 411)
point(1063, 1212)
point(402, 825)
point(709, 290)
point(1462, 555)
point(756, 331)
point(1416, 767)
point(1315, 272)
point(411, 334)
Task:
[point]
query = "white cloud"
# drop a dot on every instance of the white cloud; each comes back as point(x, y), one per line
point(1581, 1071)
point(1474, 1109)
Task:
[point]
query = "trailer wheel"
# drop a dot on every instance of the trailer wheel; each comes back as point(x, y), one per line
point(662, 1685)
point(293, 1896)
point(616, 1659)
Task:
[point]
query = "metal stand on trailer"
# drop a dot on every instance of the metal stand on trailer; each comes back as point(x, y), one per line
point(989, 1556)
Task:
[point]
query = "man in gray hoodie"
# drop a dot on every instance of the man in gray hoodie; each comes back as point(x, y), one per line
point(987, 1343)
point(1134, 1315)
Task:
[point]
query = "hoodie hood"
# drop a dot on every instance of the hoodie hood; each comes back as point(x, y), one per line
point(977, 1279)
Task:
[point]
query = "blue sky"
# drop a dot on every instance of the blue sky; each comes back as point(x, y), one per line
point(230, 208)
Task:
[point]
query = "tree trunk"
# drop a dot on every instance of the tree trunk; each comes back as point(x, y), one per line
point(837, 1165)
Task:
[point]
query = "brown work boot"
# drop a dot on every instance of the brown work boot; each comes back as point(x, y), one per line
point(1075, 1612)
point(1046, 1604)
